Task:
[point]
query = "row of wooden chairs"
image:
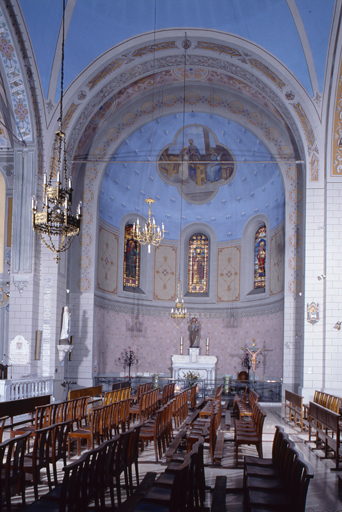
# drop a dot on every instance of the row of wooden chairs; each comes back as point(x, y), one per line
point(56, 412)
point(250, 432)
point(158, 429)
point(168, 393)
point(88, 479)
point(244, 404)
point(206, 428)
point(105, 422)
point(142, 388)
point(116, 395)
point(180, 408)
point(147, 405)
point(279, 483)
point(15, 461)
point(181, 487)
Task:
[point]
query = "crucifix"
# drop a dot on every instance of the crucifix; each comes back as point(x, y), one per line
point(252, 353)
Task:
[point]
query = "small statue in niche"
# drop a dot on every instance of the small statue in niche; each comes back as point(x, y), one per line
point(65, 331)
point(194, 328)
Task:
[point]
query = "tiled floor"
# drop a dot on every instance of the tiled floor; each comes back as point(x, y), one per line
point(323, 495)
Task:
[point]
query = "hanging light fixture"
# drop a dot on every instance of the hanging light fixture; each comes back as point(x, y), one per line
point(55, 224)
point(179, 312)
point(151, 233)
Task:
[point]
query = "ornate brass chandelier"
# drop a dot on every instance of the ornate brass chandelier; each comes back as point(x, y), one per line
point(151, 233)
point(179, 312)
point(55, 224)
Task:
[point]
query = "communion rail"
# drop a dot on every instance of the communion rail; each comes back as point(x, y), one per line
point(25, 388)
point(268, 391)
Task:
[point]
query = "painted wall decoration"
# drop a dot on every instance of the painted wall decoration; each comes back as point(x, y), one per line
point(107, 261)
point(165, 264)
point(277, 251)
point(337, 138)
point(131, 274)
point(198, 264)
point(260, 258)
point(228, 274)
point(196, 164)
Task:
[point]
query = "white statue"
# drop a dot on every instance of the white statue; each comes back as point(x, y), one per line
point(65, 331)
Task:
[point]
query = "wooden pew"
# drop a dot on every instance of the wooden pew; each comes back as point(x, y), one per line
point(21, 407)
point(326, 425)
point(92, 391)
point(294, 408)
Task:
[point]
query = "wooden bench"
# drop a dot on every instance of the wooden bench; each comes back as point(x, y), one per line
point(218, 453)
point(95, 392)
point(326, 425)
point(294, 408)
point(331, 402)
point(16, 408)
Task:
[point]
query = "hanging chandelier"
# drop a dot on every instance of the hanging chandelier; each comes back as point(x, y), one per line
point(151, 233)
point(55, 223)
point(179, 312)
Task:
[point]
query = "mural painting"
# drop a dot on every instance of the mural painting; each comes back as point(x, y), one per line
point(196, 164)
point(131, 274)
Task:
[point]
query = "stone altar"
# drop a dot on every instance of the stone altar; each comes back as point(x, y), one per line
point(204, 365)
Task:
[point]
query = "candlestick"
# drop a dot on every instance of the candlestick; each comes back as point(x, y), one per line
point(207, 342)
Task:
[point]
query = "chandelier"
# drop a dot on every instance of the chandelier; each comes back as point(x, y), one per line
point(151, 233)
point(55, 223)
point(179, 312)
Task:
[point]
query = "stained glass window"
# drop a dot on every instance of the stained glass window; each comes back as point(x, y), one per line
point(260, 258)
point(198, 264)
point(131, 274)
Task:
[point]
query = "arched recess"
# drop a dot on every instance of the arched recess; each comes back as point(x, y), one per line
point(276, 127)
point(247, 257)
point(186, 234)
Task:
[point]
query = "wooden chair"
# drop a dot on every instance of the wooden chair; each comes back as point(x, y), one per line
point(176, 497)
point(95, 433)
point(80, 486)
point(40, 457)
point(12, 453)
point(59, 446)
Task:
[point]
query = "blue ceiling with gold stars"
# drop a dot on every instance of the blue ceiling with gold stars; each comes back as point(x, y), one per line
point(137, 171)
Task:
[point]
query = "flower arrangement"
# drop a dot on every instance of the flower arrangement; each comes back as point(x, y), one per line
point(191, 377)
point(128, 358)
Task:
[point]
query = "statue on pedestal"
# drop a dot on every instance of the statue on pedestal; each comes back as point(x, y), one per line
point(194, 332)
point(65, 331)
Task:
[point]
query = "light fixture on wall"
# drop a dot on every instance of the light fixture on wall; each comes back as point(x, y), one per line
point(322, 276)
point(338, 325)
point(55, 224)
point(151, 233)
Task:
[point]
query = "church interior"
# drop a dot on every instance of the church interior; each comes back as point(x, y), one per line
point(170, 183)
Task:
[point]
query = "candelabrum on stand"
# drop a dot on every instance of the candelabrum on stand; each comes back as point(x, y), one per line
point(128, 358)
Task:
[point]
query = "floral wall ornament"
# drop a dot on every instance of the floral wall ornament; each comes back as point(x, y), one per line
point(312, 313)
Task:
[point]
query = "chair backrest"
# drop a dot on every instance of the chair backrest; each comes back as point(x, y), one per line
point(300, 479)
point(2, 426)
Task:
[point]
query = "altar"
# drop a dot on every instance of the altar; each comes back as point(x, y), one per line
point(205, 366)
